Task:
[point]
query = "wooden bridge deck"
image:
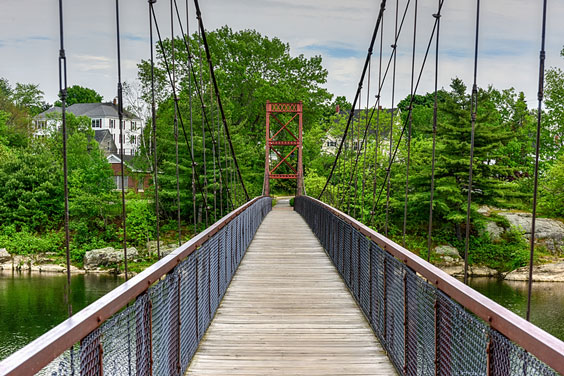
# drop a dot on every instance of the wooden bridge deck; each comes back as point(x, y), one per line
point(287, 312)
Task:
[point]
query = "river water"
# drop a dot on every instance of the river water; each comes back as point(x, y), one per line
point(31, 303)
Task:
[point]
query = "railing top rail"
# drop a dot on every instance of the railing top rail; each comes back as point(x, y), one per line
point(533, 339)
point(37, 354)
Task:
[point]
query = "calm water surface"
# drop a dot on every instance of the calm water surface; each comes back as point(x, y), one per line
point(547, 301)
point(33, 303)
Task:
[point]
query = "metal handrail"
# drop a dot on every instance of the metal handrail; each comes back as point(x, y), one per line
point(39, 353)
point(531, 338)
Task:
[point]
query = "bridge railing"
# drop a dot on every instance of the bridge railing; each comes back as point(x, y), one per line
point(153, 323)
point(428, 322)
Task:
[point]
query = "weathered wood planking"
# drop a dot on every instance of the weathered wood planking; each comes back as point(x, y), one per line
point(287, 312)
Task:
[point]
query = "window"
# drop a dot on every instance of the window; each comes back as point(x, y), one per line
point(96, 123)
point(331, 143)
point(117, 181)
point(112, 123)
point(133, 139)
point(133, 125)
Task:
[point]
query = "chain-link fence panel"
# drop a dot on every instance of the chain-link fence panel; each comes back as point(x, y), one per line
point(159, 332)
point(423, 330)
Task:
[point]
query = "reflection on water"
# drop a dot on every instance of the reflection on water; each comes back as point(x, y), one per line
point(547, 301)
point(33, 303)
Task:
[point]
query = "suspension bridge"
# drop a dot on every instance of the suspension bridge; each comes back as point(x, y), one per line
point(303, 290)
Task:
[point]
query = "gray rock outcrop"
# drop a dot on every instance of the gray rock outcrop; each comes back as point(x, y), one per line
point(107, 256)
point(549, 232)
point(4, 256)
point(541, 273)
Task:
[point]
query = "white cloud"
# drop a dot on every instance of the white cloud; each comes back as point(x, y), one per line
point(509, 39)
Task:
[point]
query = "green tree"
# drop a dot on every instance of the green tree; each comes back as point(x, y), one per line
point(29, 96)
point(250, 70)
point(553, 119)
point(79, 94)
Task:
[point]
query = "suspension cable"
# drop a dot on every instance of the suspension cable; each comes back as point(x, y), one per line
point(203, 106)
point(542, 56)
point(213, 155)
point(474, 110)
point(410, 106)
point(365, 146)
point(395, 47)
point(63, 95)
point(364, 69)
point(191, 115)
point(410, 123)
point(378, 96)
point(121, 141)
point(191, 70)
point(167, 67)
point(381, 85)
point(218, 97)
point(154, 129)
point(435, 109)
point(175, 126)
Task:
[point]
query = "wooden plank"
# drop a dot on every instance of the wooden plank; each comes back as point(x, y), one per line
point(288, 312)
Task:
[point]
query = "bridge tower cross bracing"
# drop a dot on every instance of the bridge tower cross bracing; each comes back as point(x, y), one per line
point(293, 114)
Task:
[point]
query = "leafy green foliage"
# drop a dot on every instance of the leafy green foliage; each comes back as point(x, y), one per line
point(140, 222)
point(79, 94)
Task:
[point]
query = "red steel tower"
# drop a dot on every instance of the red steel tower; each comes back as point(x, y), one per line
point(285, 115)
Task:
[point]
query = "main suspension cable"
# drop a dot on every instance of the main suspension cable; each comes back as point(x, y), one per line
point(435, 113)
point(395, 47)
point(218, 96)
point(175, 126)
point(474, 110)
point(154, 129)
point(121, 140)
point(63, 95)
point(410, 122)
point(364, 69)
point(542, 57)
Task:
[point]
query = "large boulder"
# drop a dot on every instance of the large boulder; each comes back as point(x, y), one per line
point(541, 273)
point(494, 230)
point(4, 256)
point(107, 256)
point(447, 250)
point(549, 232)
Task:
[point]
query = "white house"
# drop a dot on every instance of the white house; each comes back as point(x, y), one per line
point(103, 116)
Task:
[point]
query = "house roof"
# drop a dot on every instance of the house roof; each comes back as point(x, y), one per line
point(100, 134)
point(92, 110)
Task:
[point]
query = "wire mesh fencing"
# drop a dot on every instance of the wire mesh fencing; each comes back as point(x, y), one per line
point(158, 333)
point(422, 329)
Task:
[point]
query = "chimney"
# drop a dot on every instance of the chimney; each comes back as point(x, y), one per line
point(379, 107)
point(337, 109)
point(115, 101)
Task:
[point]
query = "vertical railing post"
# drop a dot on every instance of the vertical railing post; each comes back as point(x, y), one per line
point(197, 255)
point(143, 347)
point(359, 270)
point(370, 284)
point(437, 334)
point(91, 355)
point(385, 298)
point(405, 324)
point(218, 268)
point(351, 231)
point(489, 355)
point(179, 324)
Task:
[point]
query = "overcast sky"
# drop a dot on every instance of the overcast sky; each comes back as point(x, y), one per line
point(339, 31)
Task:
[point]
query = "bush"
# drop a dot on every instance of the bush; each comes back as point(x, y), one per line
point(140, 222)
point(24, 242)
point(292, 201)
